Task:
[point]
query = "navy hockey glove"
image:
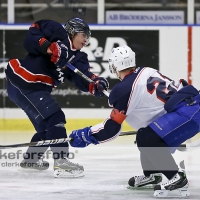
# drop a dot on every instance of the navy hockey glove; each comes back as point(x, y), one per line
point(59, 54)
point(82, 138)
point(98, 86)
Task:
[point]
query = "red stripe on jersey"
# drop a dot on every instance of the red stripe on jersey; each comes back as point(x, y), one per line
point(35, 25)
point(41, 41)
point(28, 76)
point(134, 86)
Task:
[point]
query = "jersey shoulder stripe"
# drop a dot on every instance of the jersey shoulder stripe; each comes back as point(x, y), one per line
point(133, 85)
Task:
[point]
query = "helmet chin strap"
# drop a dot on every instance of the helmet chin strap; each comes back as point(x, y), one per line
point(118, 76)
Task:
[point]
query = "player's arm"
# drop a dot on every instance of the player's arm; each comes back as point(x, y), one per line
point(103, 132)
point(44, 37)
point(41, 34)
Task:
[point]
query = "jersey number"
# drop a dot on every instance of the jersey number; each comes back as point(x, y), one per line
point(157, 84)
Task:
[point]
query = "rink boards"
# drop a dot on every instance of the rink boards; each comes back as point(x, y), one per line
point(16, 120)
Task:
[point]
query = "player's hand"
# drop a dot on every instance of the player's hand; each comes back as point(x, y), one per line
point(59, 54)
point(98, 86)
point(82, 138)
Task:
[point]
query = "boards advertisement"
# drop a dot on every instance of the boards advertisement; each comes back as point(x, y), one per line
point(145, 43)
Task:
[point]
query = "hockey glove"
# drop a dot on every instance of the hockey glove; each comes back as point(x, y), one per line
point(59, 54)
point(82, 138)
point(98, 86)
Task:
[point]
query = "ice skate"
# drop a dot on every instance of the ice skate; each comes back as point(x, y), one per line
point(175, 187)
point(39, 165)
point(64, 168)
point(144, 181)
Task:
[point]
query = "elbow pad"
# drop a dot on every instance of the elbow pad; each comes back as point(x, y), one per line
point(117, 116)
point(44, 44)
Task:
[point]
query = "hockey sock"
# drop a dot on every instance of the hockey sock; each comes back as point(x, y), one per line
point(157, 152)
point(55, 130)
point(33, 154)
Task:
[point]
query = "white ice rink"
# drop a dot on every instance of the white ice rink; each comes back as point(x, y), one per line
point(108, 168)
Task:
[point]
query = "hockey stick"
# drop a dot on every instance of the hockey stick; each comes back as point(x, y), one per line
point(48, 142)
point(182, 147)
point(84, 76)
point(189, 146)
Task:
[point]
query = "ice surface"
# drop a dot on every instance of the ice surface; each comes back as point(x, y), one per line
point(108, 168)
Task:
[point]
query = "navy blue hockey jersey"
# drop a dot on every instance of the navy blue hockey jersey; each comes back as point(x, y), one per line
point(36, 71)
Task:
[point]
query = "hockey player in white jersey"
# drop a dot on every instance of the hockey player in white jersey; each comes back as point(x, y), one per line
point(164, 113)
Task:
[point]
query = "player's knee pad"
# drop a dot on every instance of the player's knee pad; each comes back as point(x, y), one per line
point(56, 127)
point(39, 136)
point(56, 132)
point(147, 137)
point(55, 119)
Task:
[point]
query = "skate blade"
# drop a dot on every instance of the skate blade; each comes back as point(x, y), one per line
point(59, 173)
point(179, 193)
point(146, 187)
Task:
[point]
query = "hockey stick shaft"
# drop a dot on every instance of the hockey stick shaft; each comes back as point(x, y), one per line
point(36, 144)
point(49, 142)
point(84, 76)
point(182, 147)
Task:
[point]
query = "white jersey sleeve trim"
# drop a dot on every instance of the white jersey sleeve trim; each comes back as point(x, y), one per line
point(98, 127)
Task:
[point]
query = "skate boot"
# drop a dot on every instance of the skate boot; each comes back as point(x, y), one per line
point(39, 165)
point(144, 181)
point(64, 168)
point(178, 183)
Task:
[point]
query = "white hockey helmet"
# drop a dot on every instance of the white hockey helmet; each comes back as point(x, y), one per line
point(121, 58)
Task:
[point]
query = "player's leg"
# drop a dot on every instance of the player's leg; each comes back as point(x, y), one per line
point(148, 179)
point(158, 154)
point(33, 158)
point(62, 166)
point(54, 119)
point(179, 181)
point(33, 155)
point(175, 128)
point(40, 106)
point(156, 151)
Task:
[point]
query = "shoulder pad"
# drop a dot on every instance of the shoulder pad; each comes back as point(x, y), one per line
point(116, 93)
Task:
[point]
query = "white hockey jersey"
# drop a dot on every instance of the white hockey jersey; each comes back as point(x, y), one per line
point(147, 98)
point(142, 95)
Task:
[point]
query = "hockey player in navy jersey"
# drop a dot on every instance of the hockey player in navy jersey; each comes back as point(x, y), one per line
point(165, 114)
point(30, 81)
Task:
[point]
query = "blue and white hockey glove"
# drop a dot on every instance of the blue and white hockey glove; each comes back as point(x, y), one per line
point(82, 138)
point(98, 86)
point(59, 54)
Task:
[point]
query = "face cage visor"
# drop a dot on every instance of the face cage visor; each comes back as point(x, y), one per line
point(112, 67)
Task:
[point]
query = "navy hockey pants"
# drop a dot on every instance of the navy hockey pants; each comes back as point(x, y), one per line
point(45, 115)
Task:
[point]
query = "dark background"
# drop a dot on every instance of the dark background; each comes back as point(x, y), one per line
point(144, 43)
